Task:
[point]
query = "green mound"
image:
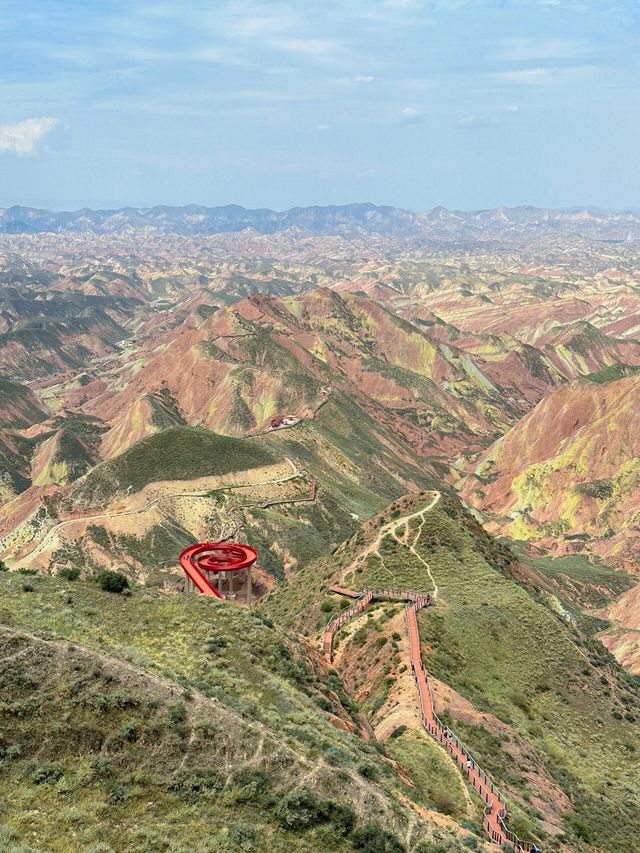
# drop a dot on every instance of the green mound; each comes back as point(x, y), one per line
point(182, 453)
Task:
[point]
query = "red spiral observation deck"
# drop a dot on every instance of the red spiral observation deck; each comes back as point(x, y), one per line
point(207, 563)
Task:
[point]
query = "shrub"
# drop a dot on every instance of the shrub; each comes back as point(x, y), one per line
point(69, 574)
point(342, 818)
point(252, 786)
point(301, 810)
point(177, 717)
point(130, 732)
point(444, 802)
point(398, 732)
point(359, 637)
point(99, 535)
point(368, 770)
point(336, 756)
point(47, 774)
point(3, 566)
point(214, 644)
point(117, 794)
point(194, 784)
point(599, 489)
point(372, 838)
point(243, 834)
point(113, 581)
point(100, 766)
point(578, 827)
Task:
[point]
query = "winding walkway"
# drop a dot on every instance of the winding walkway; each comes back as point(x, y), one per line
point(495, 802)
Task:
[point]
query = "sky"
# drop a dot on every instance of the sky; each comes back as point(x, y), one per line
point(414, 103)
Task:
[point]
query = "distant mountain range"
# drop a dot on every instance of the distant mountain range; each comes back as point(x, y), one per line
point(351, 220)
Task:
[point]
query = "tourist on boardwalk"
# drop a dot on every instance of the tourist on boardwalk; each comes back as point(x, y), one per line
point(469, 765)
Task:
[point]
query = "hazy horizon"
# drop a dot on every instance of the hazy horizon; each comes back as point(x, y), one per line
point(566, 208)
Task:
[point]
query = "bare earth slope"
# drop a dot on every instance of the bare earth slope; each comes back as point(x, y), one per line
point(568, 473)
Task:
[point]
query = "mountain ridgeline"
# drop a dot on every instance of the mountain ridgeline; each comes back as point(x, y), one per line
point(350, 220)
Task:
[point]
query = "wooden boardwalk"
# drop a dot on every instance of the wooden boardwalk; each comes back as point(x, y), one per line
point(495, 802)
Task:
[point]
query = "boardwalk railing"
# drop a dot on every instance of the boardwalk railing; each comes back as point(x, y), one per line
point(363, 600)
point(495, 802)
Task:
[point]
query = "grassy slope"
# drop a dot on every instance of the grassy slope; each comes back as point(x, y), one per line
point(560, 691)
point(352, 456)
point(154, 723)
point(579, 581)
point(19, 407)
point(181, 453)
point(507, 653)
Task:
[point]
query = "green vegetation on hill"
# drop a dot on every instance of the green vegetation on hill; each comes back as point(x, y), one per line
point(305, 531)
point(568, 711)
point(15, 467)
point(174, 723)
point(362, 464)
point(19, 407)
point(612, 372)
point(182, 453)
point(579, 581)
point(559, 690)
point(437, 784)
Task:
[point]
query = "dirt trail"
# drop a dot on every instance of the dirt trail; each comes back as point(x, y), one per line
point(46, 543)
point(391, 527)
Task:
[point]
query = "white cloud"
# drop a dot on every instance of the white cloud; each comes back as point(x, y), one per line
point(528, 75)
point(306, 47)
point(364, 78)
point(23, 137)
point(410, 115)
point(545, 74)
point(536, 49)
point(488, 119)
point(475, 120)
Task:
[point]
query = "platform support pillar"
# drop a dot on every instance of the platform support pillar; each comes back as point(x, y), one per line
point(249, 587)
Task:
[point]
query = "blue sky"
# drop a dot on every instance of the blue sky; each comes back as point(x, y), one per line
point(464, 103)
